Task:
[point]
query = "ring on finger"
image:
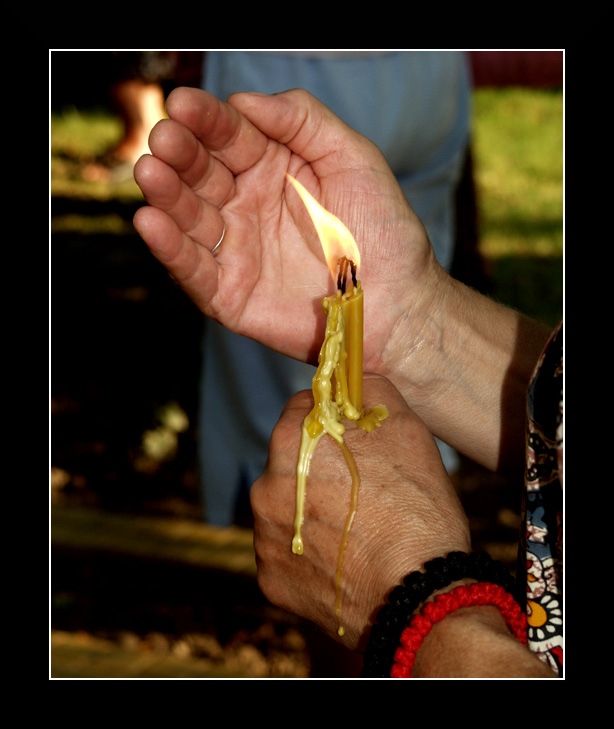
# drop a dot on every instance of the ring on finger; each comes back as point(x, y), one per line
point(219, 243)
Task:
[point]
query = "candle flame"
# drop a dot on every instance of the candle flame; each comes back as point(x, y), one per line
point(335, 238)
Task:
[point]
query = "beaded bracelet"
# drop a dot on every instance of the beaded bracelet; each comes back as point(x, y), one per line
point(417, 587)
point(478, 593)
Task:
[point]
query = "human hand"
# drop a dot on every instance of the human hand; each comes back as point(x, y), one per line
point(217, 166)
point(408, 512)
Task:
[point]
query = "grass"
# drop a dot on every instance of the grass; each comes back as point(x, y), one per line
point(77, 137)
point(518, 146)
point(518, 156)
point(518, 150)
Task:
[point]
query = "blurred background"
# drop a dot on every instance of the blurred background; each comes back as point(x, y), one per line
point(140, 585)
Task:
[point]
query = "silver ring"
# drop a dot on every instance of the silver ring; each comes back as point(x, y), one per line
point(219, 243)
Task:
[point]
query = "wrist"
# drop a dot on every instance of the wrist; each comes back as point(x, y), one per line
point(475, 642)
point(417, 588)
point(434, 640)
point(413, 355)
point(453, 357)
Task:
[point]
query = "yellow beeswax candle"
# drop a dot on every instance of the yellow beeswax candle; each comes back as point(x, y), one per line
point(353, 315)
point(330, 390)
point(337, 383)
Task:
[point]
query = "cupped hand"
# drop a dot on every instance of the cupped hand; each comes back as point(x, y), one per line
point(220, 168)
point(408, 512)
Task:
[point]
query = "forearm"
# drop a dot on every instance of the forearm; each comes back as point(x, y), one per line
point(474, 642)
point(467, 370)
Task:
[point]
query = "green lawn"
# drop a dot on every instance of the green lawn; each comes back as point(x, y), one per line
point(518, 158)
point(518, 138)
point(518, 151)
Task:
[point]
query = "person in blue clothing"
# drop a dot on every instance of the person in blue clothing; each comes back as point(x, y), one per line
point(415, 105)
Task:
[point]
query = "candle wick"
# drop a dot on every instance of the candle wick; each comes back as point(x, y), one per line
point(353, 269)
point(343, 264)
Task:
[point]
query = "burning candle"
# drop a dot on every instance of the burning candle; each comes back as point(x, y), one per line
point(337, 383)
point(343, 259)
point(353, 316)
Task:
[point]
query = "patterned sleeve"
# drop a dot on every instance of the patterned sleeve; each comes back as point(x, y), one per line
point(541, 551)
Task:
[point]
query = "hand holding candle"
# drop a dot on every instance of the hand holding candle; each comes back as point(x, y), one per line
point(337, 384)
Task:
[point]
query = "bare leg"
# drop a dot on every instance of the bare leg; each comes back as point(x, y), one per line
point(140, 106)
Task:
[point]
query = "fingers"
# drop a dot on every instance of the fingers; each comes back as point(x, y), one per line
point(176, 145)
point(165, 190)
point(186, 262)
point(310, 129)
point(237, 133)
point(222, 130)
point(190, 175)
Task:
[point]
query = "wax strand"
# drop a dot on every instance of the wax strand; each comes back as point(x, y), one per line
point(351, 464)
point(337, 395)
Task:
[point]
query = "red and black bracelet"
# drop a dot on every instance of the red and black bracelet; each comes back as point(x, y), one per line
point(417, 587)
point(476, 594)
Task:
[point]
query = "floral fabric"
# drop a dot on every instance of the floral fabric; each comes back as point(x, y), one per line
point(542, 541)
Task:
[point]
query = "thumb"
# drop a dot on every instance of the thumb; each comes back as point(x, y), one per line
point(301, 122)
point(379, 390)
